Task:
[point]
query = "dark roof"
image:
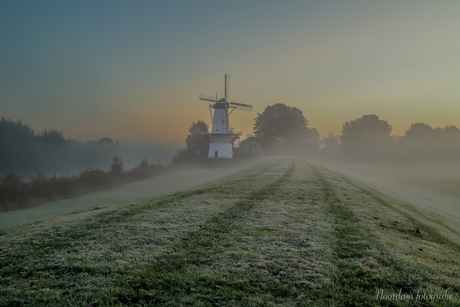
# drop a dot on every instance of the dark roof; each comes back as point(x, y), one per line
point(252, 139)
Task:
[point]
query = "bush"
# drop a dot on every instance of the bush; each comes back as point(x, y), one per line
point(95, 179)
point(181, 156)
point(143, 170)
point(12, 186)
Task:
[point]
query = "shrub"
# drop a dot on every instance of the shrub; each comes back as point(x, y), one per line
point(94, 179)
point(181, 156)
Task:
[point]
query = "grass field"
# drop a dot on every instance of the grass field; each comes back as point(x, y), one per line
point(282, 233)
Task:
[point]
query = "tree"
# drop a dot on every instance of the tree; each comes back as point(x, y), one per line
point(452, 130)
point(18, 146)
point(284, 127)
point(105, 141)
point(52, 136)
point(421, 140)
point(117, 166)
point(367, 134)
point(12, 180)
point(198, 143)
point(331, 142)
point(144, 164)
point(419, 131)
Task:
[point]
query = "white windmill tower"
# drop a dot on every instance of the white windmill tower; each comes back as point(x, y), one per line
point(222, 133)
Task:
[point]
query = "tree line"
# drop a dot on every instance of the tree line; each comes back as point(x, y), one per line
point(281, 129)
point(370, 137)
point(22, 151)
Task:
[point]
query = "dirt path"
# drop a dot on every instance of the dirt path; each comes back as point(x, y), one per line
point(183, 178)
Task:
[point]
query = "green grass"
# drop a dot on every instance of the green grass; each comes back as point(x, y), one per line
point(283, 233)
point(379, 257)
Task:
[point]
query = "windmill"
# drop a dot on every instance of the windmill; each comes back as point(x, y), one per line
point(222, 133)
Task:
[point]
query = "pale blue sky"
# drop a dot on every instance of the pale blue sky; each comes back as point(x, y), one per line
point(132, 70)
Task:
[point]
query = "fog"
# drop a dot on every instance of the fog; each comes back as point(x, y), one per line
point(427, 185)
point(186, 176)
point(422, 166)
point(74, 157)
point(133, 153)
point(23, 151)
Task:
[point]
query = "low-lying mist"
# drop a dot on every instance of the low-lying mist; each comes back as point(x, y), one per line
point(24, 152)
point(73, 158)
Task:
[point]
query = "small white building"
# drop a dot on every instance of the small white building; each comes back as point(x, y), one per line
point(250, 146)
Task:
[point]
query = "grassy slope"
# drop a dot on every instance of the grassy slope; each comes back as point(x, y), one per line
point(183, 177)
point(282, 233)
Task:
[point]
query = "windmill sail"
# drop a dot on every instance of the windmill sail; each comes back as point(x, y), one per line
point(241, 104)
point(208, 97)
point(241, 109)
point(227, 86)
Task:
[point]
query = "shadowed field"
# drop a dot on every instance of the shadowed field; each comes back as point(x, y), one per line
point(284, 232)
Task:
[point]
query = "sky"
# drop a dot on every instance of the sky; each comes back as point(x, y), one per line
point(133, 70)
